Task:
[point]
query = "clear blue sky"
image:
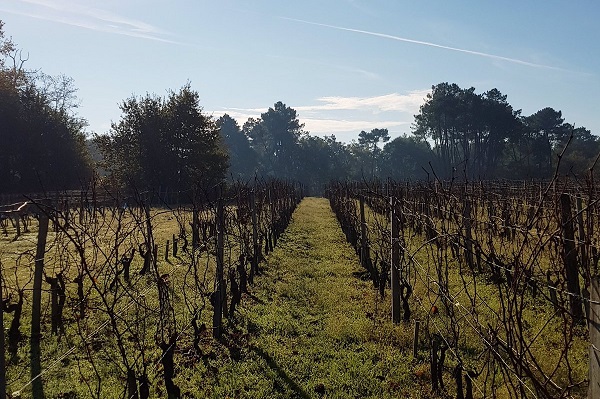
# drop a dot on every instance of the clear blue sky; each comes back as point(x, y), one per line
point(344, 65)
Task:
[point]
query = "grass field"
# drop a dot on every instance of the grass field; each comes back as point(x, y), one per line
point(310, 327)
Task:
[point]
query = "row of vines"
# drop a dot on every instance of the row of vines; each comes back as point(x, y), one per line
point(124, 298)
point(498, 274)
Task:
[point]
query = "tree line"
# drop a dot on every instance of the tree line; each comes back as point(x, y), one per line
point(484, 136)
point(170, 142)
point(42, 140)
point(457, 133)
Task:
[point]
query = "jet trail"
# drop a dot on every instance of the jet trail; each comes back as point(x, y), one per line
point(429, 44)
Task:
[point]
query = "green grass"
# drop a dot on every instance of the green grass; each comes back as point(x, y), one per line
point(542, 328)
point(309, 328)
point(312, 329)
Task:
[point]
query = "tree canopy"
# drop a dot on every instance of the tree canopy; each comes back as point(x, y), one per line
point(164, 142)
point(467, 129)
point(243, 160)
point(43, 144)
point(275, 137)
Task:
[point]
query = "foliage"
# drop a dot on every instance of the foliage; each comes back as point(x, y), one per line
point(369, 150)
point(275, 137)
point(43, 141)
point(468, 130)
point(407, 158)
point(581, 151)
point(243, 161)
point(164, 142)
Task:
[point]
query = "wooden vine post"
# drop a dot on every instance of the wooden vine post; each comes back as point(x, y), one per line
point(468, 234)
point(415, 348)
point(81, 208)
point(220, 282)
point(2, 349)
point(365, 256)
point(434, 363)
point(395, 262)
point(272, 204)
point(594, 350)
point(255, 246)
point(363, 234)
point(582, 241)
point(174, 246)
point(36, 307)
point(569, 256)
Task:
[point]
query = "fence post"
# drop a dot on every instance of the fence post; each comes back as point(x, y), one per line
point(415, 347)
point(195, 228)
point(167, 251)
point(36, 306)
point(594, 350)
point(582, 239)
point(174, 246)
point(81, 208)
point(569, 255)
point(468, 235)
point(434, 363)
point(395, 263)
point(220, 284)
point(2, 349)
point(17, 219)
point(255, 246)
point(365, 256)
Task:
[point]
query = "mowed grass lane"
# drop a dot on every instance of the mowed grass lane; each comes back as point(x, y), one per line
point(310, 328)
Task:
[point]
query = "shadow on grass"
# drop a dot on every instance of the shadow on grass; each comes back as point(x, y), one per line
point(254, 298)
point(281, 373)
point(363, 275)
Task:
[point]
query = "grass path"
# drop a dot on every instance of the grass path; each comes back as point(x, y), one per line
point(311, 328)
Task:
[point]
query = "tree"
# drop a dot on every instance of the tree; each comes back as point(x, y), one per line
point(469, 130)
point(7, 47)
point(501, 125)
point(543, 129)
point(581, 152)
point(341, 161)
point(275, 137)
point(59, 90)
point(43, 147)
point(437, 121)
point(243, 162)
point(369, 141)
point(164, 143)
point(406, 157)
point(317, 173)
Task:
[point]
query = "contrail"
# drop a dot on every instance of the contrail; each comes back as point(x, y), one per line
point(422, 43)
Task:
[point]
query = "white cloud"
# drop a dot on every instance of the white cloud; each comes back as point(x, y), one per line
point(336, 114)
point(330, 126)
point(70, 13)
point(240, 115)
point(317, 125)
point(390, 102)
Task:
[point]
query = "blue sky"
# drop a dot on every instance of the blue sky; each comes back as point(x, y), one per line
point(344, 65)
